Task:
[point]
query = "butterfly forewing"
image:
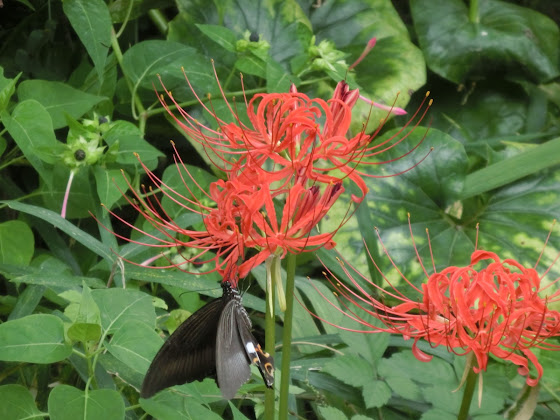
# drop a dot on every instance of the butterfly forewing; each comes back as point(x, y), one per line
point(188, 354)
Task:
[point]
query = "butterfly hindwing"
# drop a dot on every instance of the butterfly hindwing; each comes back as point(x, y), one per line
point(255, 354)
point(188, 354)
point(232, 365)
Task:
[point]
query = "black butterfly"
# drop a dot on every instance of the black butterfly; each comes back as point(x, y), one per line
point(216, 339)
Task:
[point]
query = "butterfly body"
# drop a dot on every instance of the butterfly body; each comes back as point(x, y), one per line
point(214, 341)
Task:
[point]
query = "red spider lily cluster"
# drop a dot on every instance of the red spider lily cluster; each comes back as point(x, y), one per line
point(500, 309)
point(294, 153)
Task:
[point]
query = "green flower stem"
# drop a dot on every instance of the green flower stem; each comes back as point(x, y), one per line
point(159, 20)
point(467, 395)
point(473, 12)
point(287, 336)
point(270, 339)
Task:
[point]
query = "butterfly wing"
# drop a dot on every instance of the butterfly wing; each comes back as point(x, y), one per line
point(232, 365)
point(188, 354)
point(255, 353)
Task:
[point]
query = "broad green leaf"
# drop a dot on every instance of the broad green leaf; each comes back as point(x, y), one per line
point(350, 369)
point(135, 344)
point(147, 60)
point(376, 393)
point(87, 322)
point(18, 403)
point(69, 403)
point(277, 79)
point(405, 387)
point(125, 372)
point(276, 22)
point(117, 306)
point(58, 99)
point(252, 65)
point(130, 141)
point(183, 183)
point(79, 235)
point(220, 35)
point(31, 128)
point(16, 243)
point(111, 185)
point(33, 339)
point(370, 18)
point(519, 41)
point(92, 22)
point(27, 301)
point(331, 413)
point(171, 405)
point(404, 365)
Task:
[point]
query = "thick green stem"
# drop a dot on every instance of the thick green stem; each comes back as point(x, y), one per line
point(473, 12)
point(270, 338)
point(467, 395)
point(287, 337)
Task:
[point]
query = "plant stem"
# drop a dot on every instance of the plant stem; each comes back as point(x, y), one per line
point(467, 395)
point(473, 12)
point(287, 336)
point(270, 339)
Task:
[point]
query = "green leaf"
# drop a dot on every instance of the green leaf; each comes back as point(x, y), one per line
point(69, 403)
point(252, 65)
point(518, 41)
point(220, 35)
point(79, 235)
point(111, 185)
point(18, 404)
point(87, 323)
point(405, 365)
point(7, 89)
point(92, 22)
point(147, 60)
point(130, 140)
point(277, 79)
point(31, 128)
point(331, 413)
point(117, 306)
point(58, 99)
point(135, 344)
point(16, 243)
point(33, 339)
point(376, 394)
point(169, 405)
point(509, 170)
point(352, 370)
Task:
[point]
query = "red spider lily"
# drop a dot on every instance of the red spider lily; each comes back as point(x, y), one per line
point(497, 309)
point(242, 215)
point(285, 140)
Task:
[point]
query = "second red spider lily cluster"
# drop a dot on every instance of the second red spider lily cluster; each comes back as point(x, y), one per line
point(500, 309)
point(283, 173)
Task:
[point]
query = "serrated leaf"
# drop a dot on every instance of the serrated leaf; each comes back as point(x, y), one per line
point(16, 243)
point(69, 403)
point(18, 404)
point(34, 339)
point(405, 365)
point(350, 369)
point(376, 394)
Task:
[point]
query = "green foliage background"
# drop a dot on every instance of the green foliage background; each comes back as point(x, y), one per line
point(73, 347)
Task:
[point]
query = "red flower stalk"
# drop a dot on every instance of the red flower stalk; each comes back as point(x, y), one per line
point(495, 309)
point(285, 139)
